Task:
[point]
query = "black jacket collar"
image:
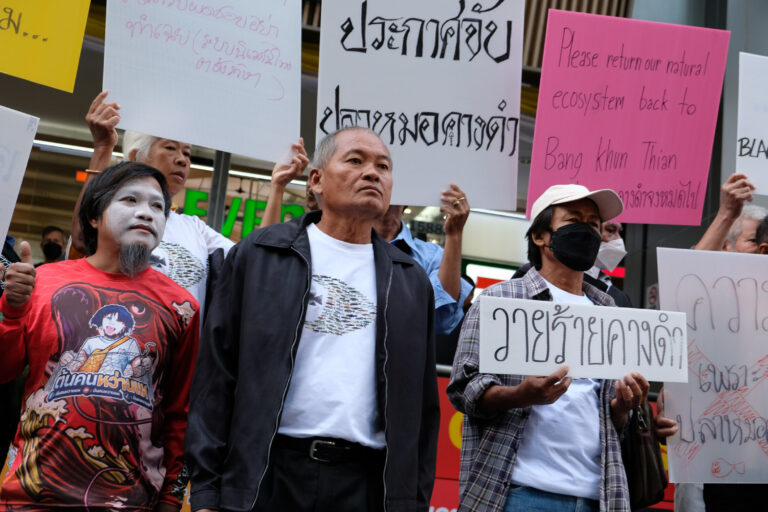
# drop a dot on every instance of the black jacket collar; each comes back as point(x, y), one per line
point(293, 234)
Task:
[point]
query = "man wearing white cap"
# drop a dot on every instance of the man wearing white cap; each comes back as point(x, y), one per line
point(546, 443)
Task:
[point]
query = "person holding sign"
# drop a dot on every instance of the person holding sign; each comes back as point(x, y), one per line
point(187, 241)
point(111, 345)
point(546, 443)
point(734, 226)
point(316, 388)
point(741, 229)
point(443, 266)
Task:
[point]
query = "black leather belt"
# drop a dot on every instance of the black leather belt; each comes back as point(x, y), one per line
point(330, 450)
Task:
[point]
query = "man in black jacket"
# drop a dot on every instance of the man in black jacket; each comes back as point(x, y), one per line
point(315, 387)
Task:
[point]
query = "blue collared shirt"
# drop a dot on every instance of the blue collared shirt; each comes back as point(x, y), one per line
point(448, 311)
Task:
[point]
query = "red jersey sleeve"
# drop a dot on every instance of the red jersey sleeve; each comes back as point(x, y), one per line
point(176, 408)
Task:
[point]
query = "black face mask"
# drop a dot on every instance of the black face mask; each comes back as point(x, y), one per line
point(52, 250)
point(576, 245)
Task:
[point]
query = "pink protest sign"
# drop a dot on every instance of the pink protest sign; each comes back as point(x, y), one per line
point(629, 105)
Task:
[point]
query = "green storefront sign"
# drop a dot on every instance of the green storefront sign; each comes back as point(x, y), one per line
point(250, 220)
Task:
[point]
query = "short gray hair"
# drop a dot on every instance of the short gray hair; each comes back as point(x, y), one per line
point(752, 212)
point(141, 142)
point(327, 146)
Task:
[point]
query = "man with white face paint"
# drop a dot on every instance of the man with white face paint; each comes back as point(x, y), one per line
point(111, 344)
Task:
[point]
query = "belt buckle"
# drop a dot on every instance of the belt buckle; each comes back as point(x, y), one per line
point(313, 448)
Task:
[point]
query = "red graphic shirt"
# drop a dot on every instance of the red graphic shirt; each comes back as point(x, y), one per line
point(105, 404)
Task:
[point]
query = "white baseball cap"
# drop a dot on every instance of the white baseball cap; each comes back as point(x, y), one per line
point(608, 202)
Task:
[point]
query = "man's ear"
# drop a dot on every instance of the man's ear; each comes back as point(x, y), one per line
point(763, 249)
point(540, 239)
point(132, 154)
point(94, 223)
point(315, 181)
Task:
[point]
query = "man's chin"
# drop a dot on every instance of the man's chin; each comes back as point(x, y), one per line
point(134, 258)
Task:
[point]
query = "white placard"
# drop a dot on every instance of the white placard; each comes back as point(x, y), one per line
point(221, 73)
point(723, 409)
point(17, 133)
point(534, 337)
point(752, 130)
point(439, 80)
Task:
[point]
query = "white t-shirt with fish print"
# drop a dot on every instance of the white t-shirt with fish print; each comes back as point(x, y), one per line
point(183, 253)
point(333, 385)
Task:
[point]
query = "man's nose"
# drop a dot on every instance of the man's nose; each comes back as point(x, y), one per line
point(181, 159)
point(371, 172)
point(144, 211)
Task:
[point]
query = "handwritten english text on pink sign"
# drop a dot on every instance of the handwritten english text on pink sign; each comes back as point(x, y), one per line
point(629, 105)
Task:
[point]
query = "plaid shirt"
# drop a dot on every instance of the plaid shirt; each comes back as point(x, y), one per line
point(490, 443)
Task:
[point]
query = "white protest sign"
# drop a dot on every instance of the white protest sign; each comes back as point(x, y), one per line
point(221, 73)
point(722, 411)
point(439, 80)
point(535, 337)
point(17, 133)
point(752, 130)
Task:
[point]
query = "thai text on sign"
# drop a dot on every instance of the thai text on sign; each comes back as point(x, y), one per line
point(533, 337)
point(722, 411)
point(439, 81)
point(632, 104)
point(222, 73)
point(41, 40)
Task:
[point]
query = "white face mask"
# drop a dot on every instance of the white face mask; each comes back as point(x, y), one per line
point(610, 254)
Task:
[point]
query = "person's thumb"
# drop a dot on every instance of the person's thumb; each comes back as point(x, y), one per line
point(26, 252)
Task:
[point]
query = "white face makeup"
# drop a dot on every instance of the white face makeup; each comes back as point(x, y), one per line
point(136, 214)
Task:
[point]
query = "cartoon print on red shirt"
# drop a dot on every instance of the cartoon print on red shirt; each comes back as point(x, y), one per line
point(99, 409)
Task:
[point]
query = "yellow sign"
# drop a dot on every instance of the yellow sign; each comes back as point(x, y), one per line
point(40, 40)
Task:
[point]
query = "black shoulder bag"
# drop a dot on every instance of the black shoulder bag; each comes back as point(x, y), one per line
point(641, 453)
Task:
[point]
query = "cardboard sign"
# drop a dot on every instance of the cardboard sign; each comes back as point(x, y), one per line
point(439, 81)
point(630, 105)
point(17, 133)
point(221, 73)
point(40, 40)
point(534, 337)
point(752, 131)
point(722, 411)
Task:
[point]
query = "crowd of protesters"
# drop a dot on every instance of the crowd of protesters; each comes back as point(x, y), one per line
point(296, 370)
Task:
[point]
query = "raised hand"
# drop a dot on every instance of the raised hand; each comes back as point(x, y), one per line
point(455, 207)
point(102, 119)
point(283, 173)
point(733, 193)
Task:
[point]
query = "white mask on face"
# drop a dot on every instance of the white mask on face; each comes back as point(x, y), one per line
point(610, 254)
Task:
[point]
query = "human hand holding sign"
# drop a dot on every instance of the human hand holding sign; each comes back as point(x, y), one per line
point(102, 118)
point(284, 172)
point(532, 391)
point(630, 392)
point(455, 207)
point(734, 192)
point(663, 426)
point(19, 278)
point(545, 390)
